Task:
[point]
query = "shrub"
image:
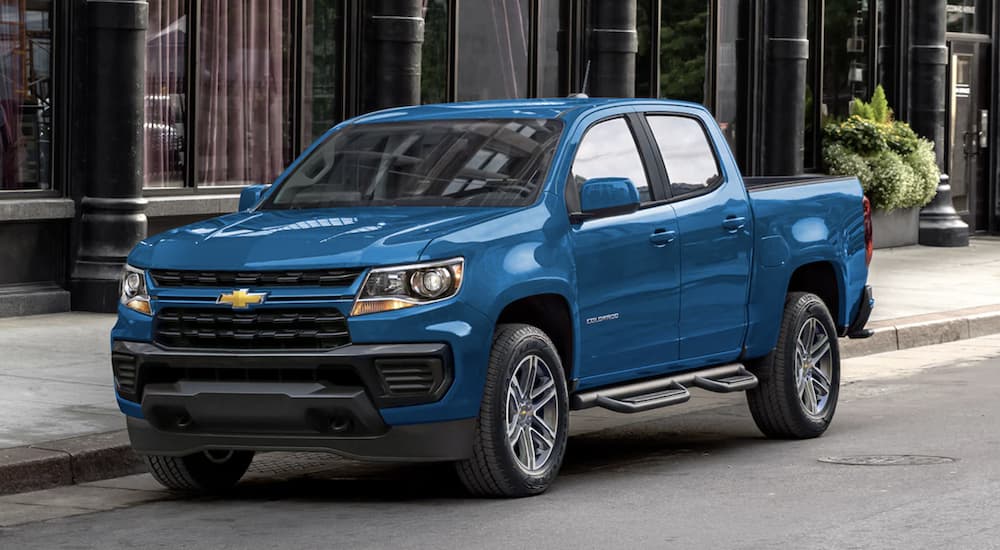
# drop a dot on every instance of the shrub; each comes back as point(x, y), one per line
point(897, 168)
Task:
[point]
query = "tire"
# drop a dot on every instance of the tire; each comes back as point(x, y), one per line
point(499, 468)
point(781, 404)
point(205, 472)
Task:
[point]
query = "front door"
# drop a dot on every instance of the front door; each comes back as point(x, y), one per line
point(968, 120)
point(627, 267)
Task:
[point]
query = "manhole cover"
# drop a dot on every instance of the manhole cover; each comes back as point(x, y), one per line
point(888, 460)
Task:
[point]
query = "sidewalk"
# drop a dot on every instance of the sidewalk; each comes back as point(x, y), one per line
point(59, 422)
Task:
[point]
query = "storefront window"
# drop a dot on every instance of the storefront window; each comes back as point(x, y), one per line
point(683, 46)
point(493, 50)
point(728, 100)
point(321, 68)
point(968, 16)
point(242, 109)
point(643, 59)
point(25, 94)
point(845, 55)
point(434, 56)
point(165, 95)
point(549, 43)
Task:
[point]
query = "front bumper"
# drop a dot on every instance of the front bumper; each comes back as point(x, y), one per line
point(183, 401)
point(440, 441)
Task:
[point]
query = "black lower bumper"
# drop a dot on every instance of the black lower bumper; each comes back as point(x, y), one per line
point(857, 328)
point(440, 441)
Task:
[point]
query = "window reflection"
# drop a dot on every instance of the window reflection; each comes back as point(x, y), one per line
point(321, 68)
point(845, 55)
point(964, 16)
point(686, 153)
point(25, 94)
point(493, 50)
point(683, 45)
point(434, 58)
point(608, 150)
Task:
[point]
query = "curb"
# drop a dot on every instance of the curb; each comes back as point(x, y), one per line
point(106, 455)
point(67, 461)
point(924, 330)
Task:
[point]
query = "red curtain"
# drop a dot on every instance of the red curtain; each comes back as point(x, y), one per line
point(13, 88)
point(243, 91)
point(166, 43)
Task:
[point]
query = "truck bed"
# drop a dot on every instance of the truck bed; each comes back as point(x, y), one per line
point(759, 183)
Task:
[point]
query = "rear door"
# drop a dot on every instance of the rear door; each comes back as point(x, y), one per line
point(627, 266)
point(714, 218)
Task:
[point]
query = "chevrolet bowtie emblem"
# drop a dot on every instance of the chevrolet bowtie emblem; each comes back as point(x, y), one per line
point(242, 299)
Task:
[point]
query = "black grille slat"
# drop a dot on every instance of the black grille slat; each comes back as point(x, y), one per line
point(324, 277)
point(265, 329)
point(408, 378)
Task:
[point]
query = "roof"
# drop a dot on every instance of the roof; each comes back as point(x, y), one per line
point(506, 108)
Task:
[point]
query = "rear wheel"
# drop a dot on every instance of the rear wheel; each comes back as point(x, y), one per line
point(523, 420)
point(207, 471)
point(799, 382)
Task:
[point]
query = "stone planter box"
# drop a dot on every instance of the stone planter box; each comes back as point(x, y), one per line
point(900, 227)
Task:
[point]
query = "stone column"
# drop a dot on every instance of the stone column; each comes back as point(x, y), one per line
point(396, 36)
point(940, 225)
point(787, 47)
point(614, 43)
point(112, 210)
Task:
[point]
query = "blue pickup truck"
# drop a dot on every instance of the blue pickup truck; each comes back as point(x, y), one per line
point(448, 282)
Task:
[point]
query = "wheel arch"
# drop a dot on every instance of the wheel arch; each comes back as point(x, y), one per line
point(822, 279)
point(551, 313)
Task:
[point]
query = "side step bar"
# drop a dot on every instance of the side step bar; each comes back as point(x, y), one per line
point(669, 390)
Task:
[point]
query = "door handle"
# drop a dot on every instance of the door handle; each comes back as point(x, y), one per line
point(734, 223)
point(663, 237)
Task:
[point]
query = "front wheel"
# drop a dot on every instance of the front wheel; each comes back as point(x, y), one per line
point(523, 419)
point(207, 471)
point(800, 380)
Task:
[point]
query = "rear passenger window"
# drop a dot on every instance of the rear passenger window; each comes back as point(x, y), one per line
point(608, 150)
point(688, 155)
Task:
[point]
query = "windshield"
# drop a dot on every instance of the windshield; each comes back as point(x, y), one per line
point(427, 163)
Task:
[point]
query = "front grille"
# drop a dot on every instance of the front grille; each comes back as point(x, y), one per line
point(262, 329)
point(270, 279)
point(410, 376)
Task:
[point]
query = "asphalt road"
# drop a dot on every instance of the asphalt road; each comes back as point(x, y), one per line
point(697, 478)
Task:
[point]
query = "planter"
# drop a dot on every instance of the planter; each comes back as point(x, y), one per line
point(900, 227)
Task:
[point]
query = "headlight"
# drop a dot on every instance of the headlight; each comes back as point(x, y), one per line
point(134, 293)
point(392, 288)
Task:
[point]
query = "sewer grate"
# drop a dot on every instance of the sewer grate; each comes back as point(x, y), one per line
point(888, 460)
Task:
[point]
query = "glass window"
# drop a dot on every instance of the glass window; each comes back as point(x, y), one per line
point(644, 57)
point(683, 46)
point(434, 56)
point(549, 43)
point(493, 50)
point(165, 97)
point(686, 152)
point(608, 150)
point(443, 163)
point(729, 70)
point(968, 16)
point(845, 55)
point(320, 68)
point(25, 94)
point(244, 91)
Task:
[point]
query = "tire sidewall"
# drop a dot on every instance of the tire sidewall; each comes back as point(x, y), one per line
point(811, 306)
point(531, 343)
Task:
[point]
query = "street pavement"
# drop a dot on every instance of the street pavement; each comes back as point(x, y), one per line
point(692, 476)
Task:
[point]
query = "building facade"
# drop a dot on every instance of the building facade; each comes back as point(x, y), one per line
point(122, 118)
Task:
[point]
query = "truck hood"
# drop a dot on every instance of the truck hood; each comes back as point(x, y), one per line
point(306, 239)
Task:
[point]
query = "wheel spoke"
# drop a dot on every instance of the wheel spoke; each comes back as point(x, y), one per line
point(548, 440)
point(548, 433)
point(821, 380)
point(528, 448)
point(543, 388)
point(810, 395)
point(539, 402)
point(519, 393)
point(820, 351)
point(514, 433)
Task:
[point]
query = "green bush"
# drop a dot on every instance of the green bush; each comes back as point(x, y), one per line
point(897, 168)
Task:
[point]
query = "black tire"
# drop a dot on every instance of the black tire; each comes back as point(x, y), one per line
point(206, 472)
point(493, 470)
point(778, 406)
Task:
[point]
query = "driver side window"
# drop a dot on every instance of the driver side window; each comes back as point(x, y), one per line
point(607, 150)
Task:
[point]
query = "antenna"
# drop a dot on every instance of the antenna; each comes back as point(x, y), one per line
point(586, 84)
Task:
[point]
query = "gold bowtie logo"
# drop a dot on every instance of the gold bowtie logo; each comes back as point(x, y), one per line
point(242, 299)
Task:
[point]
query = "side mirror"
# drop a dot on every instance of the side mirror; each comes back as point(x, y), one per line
point(602, 197)
point(250, 196)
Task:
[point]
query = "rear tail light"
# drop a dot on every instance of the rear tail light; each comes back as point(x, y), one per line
point(869, 248)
